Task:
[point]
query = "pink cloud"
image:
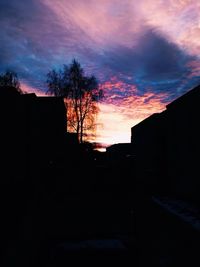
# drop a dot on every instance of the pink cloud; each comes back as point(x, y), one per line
point(108, 37)
point(178, 20)
point(115, 22)
point(117, 116)
point(29, 89)
point(195, 67)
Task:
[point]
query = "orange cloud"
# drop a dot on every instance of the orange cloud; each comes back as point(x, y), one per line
point(118, 114)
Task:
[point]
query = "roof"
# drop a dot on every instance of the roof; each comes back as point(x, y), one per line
point(189, 97)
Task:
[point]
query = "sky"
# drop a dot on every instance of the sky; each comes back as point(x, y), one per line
point(144, 53)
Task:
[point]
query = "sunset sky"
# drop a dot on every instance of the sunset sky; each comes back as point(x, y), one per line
point(144, 53)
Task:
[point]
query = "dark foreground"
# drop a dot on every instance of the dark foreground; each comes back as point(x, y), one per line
point(101, 219)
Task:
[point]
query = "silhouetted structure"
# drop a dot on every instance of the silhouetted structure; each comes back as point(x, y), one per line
point(47, 127)
point(54, 190)
point(183, 144)
point(31, 137)
point(33, 130)
point(166, 206)
point(147, 144)
point(119, 154)
point(166, 146)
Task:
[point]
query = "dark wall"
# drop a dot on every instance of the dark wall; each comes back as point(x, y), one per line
point(167, 147)
point(183, 143)
point(47, 128)
point(118, 154)
point(32, 133)
point(148, 146)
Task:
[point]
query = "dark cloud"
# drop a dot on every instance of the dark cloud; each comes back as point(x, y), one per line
point(161, 59)
point(154, 64)
point(152, 59)
point(32, 40)
point(21, 47)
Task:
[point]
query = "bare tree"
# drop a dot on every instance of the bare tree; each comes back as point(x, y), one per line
point(10, 79)
point(81, 95)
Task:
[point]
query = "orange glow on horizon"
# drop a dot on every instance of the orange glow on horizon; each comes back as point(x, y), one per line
point(117, 116)
point(119, 113)
point(114, 124)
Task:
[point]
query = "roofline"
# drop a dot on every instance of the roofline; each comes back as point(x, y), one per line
point(185, 95)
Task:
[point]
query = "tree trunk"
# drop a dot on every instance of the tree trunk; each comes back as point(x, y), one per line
point(81, 132)
point(78, 132)
point(65, 103)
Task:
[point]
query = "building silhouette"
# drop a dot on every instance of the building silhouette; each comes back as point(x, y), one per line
point(119, 154)
point(32, 132)
point(166, 147)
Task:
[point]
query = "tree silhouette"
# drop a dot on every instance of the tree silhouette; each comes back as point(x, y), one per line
point(81, 94)
point(10, 79)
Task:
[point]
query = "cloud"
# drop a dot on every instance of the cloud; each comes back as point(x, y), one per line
point(33, 40)
point(115, 120)
point(178, 20)
point(29, 89)
point(109, 38)
point(144, 53)
point(153, 59)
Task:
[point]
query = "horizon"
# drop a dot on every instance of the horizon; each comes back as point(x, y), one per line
point(144, 54)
